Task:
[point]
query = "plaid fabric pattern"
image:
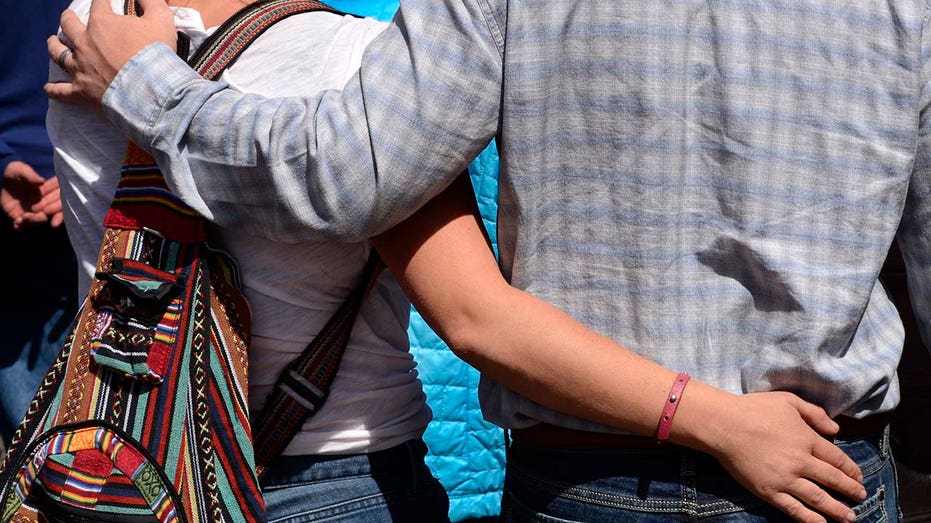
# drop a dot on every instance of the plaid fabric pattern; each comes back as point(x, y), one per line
point(713, 184)
point(144, 414)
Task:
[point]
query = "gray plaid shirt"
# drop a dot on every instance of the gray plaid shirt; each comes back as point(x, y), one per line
point(713, 184)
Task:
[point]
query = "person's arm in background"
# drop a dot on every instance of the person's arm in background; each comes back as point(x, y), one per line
point(444, 263)
point(49, 204)
point(337, 164)
point(7, 155)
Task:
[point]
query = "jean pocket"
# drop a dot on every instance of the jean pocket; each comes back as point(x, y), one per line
point(873, 508)
point(513, 511)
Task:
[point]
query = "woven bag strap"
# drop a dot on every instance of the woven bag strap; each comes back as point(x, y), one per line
point(227, 43)
point(237, 33)
point(304, 384)
point(142, 199)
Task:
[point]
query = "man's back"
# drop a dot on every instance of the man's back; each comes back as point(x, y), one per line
point(712, 184)
point(715, 185)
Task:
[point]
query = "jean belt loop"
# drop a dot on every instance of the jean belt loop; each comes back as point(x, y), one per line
point(884, 446)
point(410, 446)
point(688, 463)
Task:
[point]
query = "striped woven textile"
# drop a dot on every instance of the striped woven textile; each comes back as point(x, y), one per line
point(143, 416)
point(165, 372)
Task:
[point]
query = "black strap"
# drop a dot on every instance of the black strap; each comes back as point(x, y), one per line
point(305, 383)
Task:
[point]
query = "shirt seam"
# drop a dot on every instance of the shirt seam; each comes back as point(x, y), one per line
point(493, 26)
point(919, 88)
point(163, 107)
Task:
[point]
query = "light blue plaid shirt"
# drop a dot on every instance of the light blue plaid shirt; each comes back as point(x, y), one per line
point(714, 184)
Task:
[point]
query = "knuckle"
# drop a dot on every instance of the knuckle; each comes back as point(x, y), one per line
point(818, 498)
point(793, 510)
point(848, 465)
point(836, 478)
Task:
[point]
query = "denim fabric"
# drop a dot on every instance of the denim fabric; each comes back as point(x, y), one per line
point(27, 354)
point(38, 306)
point(664, 484)
point(389, 485)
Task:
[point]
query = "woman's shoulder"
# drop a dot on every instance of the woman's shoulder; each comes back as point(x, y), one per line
point(336, 28)
point(304, 53)
point(83, 8)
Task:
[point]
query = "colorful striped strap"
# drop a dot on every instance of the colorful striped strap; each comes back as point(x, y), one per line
point(225, 45)
point(216, 54)
point(304, 384)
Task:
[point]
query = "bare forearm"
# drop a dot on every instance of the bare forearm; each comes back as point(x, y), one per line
point(543, 354)
point(441, 258)
point(768, 441)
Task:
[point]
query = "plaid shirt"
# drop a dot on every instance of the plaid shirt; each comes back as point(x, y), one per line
point(713, 184)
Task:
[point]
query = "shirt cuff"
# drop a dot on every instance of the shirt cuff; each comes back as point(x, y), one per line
point(141, 90)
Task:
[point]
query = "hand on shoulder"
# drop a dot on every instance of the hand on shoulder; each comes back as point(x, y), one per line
point(102, 47)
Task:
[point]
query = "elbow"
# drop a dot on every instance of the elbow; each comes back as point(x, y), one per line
point(473, 329)
point(463, 338)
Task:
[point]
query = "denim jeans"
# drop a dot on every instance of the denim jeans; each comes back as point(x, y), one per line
point(664, 484)
point(37, 308)
point(392, 485)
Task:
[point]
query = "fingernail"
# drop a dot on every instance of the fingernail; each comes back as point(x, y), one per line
point(862, 494)
point(851, 517)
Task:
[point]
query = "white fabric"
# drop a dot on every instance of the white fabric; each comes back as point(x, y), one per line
point(376, 401)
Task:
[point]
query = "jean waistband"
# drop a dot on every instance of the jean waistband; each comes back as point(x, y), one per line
point(545, 435)
point(400, 459)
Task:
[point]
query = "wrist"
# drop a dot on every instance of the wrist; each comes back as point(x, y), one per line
point(702, 420)
point(5, 161)
point(673, 399)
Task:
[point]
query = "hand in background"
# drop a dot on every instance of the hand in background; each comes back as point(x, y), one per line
point(21, 191)
point(104, 46)
point(50, 204)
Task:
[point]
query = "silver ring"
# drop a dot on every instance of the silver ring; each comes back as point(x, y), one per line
point(62, 57)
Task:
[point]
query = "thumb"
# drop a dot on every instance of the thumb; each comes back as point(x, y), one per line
point(23, 172)
point(816, 417)
point(158, 16)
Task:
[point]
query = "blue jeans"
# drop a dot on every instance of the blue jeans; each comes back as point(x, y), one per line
point(39, 282)
point(664, 484)
point(389, 485)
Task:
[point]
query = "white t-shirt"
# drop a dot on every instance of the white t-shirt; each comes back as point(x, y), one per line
point(376, 400)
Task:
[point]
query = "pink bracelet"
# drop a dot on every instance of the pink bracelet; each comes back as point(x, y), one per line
point(669, 409)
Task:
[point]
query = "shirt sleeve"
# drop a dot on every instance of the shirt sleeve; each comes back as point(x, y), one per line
point(337, 164)
point(914, 235)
